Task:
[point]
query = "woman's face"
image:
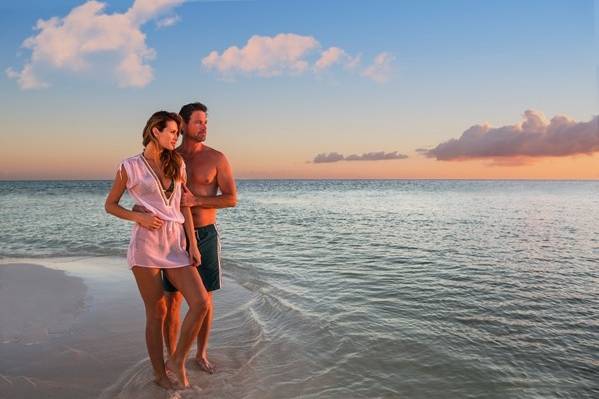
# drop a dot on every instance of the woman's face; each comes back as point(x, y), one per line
point(167, 137)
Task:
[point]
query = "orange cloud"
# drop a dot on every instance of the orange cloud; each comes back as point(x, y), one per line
point(367, 156)
point(532, 138)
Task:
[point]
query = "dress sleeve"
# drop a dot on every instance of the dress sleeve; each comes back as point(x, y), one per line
point(183, 173)
point(131, 172)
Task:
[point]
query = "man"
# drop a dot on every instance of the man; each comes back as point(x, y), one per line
point(208, 172)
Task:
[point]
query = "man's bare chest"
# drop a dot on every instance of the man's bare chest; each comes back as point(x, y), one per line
point(201, 172)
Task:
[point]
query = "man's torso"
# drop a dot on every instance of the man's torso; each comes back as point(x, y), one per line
point(202, 181)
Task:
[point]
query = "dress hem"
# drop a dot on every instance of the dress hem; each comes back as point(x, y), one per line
point(160, 267)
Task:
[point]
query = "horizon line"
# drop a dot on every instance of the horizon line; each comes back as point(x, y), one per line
point(332, 179)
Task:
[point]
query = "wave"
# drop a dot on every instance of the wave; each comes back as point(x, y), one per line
point(262, 346)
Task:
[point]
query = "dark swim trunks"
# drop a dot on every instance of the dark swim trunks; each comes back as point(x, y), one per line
point(210, 271)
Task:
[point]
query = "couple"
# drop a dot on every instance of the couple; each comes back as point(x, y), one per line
point(174, 248)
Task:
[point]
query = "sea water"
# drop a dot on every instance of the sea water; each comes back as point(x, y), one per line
point(370, 288)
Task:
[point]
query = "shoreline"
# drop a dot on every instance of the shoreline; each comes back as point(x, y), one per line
point(88, 338)
point(435, 179)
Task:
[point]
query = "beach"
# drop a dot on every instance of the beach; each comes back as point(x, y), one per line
point(74, 328)
point(401, 197)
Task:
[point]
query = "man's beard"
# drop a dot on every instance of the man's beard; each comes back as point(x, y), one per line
point(199, 138)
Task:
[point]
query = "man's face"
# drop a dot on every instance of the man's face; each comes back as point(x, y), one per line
point(196, 129)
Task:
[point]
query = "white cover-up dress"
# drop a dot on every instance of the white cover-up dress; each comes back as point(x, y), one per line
point(164, 247)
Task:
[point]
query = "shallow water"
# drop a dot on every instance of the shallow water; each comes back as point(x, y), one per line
point(381, 288)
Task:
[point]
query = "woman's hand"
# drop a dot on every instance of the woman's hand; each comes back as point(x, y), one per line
point(149, 221)
point(194, 254)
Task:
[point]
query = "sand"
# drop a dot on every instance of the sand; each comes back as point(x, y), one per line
point(74, 328)
point(36, 302)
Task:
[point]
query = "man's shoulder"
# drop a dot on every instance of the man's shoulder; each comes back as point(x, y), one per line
point(213, 151)
point(205, 152)
point(215, 154)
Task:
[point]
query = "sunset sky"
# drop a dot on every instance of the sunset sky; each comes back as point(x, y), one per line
point(306, 88)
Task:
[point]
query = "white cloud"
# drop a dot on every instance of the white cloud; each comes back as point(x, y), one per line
point(68, 43)
point(330, 57)
point(144, 10)
point(288, 53)
point(26, 79)
point(381, 68)
point(264, 55)
point(168, 21)
point(353, 62)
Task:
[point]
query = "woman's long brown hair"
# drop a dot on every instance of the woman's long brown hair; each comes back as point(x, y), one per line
point(170, 161)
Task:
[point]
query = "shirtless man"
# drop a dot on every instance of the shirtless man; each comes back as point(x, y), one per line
point(208, 172)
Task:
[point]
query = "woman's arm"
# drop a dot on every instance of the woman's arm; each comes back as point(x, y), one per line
point(112, 206)
point(194, 252)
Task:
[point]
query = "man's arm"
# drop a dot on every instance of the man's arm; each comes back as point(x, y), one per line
point(226, 184)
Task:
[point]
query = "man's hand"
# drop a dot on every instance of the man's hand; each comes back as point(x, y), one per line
point(188, 199)
point(194, 255)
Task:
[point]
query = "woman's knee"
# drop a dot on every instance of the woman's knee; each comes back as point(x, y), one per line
point(157, 311)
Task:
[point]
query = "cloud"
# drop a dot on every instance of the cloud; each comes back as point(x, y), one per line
point(534, 137)
point(26, 78)
point(70, 42)
point(375, 156)
point(144, 10)
point(381, 68)
point(330, 57)
point(369, 156)
point(264, 55)
point(289, 53)
point(328, 158)
point(167, 21)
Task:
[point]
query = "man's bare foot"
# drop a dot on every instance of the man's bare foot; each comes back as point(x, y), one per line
point(163, 382)
point(205, 365)
point(178, 371)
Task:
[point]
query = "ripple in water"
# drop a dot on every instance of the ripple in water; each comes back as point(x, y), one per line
point(380, 288)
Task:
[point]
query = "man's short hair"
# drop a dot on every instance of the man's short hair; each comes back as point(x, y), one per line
point(189, 109)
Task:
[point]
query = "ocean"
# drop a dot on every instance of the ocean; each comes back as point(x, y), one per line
point(381, 288)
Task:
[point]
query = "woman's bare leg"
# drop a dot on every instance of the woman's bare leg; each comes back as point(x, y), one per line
point(202, 355)
point(171, 323)
point(187, 280)
point(149, 283)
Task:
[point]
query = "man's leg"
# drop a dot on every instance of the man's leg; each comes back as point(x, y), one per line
point(203, 335)
point(210, 271)
point(172, 320)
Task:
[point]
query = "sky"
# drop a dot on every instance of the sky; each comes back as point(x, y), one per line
point(306, 89)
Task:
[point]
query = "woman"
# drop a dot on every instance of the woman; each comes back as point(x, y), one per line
point(154, 180)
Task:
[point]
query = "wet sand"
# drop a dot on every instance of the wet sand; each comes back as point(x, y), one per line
point(74, 328)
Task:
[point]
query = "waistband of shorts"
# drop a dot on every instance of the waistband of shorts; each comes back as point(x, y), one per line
point(208, 227)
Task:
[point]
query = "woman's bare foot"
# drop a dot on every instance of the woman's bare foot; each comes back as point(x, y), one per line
point(178, 370)
point(205, 365)
point(163, 382)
